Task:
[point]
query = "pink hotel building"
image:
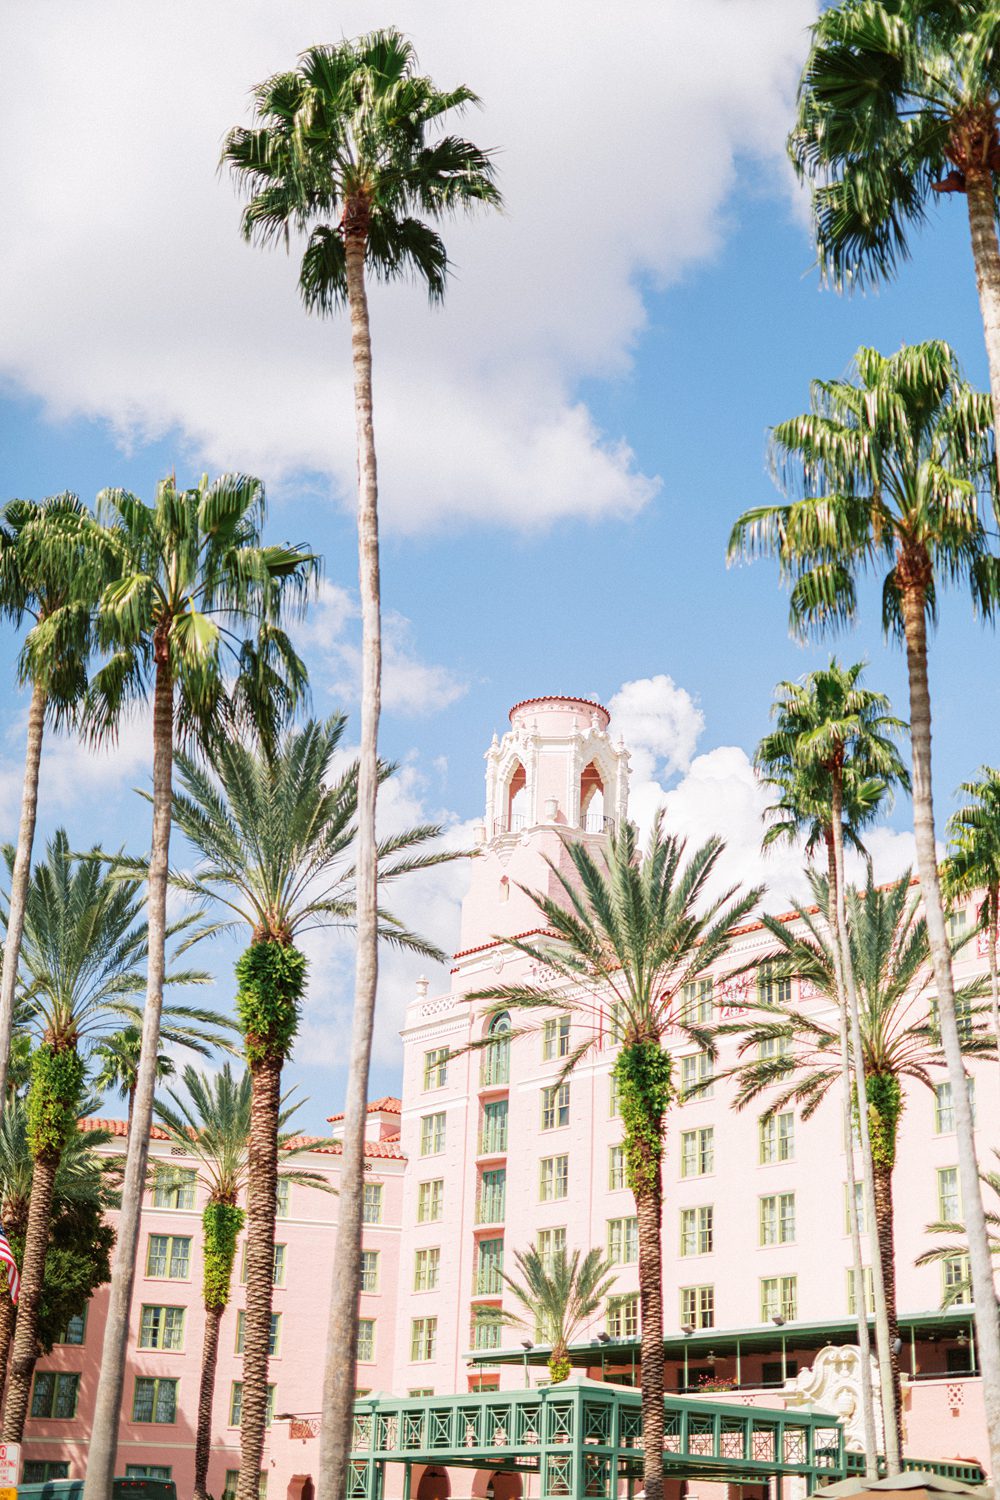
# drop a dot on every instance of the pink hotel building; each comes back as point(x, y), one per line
point(484, 1155)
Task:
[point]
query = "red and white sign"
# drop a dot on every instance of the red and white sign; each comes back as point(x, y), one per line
point(10, 1464)
point(304, 1428)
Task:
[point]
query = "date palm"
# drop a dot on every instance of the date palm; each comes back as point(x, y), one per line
point(558, 1295)
point(899, 100)
point(892, 473)
point(83, 955)
point(834, 737)
point(276, 836)
point(51, 573)
point(973, 866)
point(117, 1056)
point(193, 616)
point(349, 149)
point(629, 933)
point(212, 1124)
point(899, 1038)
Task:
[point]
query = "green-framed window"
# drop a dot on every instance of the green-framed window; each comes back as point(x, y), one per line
point(427, 1269)
point(168, 1257)
point(154, 1399)
point(54, 1394)
point(161, 1327)
point(274, 1341)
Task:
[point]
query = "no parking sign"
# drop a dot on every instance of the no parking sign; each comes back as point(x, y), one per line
point(10, 1464)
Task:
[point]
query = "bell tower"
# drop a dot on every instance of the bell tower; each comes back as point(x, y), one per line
point(555, 774)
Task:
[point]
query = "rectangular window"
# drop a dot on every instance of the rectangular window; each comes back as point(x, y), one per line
point(493, 1135)
point(771, 1048)
point(161, 1328)
point(54, 1394)
point(949, 1197)
point(486, 1328)
point(956, 1286)
point(555, 1038)
point(418, 1392)
point(366, 1341)
point(698, 1230)
point(492, 1197)
point(555, 1106)
point(369, 1271)
point(697, 1071)
point(174, 1187)
point(274, 1339)
point(435, 1068)
point(623, 1316)
point(74, 1330)
point(550, 1243)
point(777, 1138)
point(958, 925)
point(371, 1211)
point(779, 1298)
point(283, 1198)
point(771, 990)
point(697, 1003)
point(944, 1106)
point(236, 1405)
point(698, 1152)
point(426, 1269)
point(154, 1400)
point(278, 1276)
point(423, 1339)
point(623, 1241)
point(614, 1103)
point(963, 1017)
point(147, 1471)
point(168, 1257)
point(41, 1470)
point(616, 1168)
point(553, 1178)
point(859, 1203)
point(489, 1268)
point(233, 1479)
point(697, 1306)
point(852, 1301)
point(430, 1201)
point(432, 1134)
point(777, 1219)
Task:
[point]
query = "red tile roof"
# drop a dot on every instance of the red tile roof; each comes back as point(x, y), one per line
point(120, 1128)
point(384, 1106)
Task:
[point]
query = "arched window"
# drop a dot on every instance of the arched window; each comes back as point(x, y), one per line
point(504, 888)
point(495, 1066)
point(592, 819)
point(517, 800)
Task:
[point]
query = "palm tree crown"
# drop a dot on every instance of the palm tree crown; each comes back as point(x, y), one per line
point(557, 1295)
point(343, 144)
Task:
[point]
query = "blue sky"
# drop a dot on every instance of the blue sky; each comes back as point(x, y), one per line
point(525, 550)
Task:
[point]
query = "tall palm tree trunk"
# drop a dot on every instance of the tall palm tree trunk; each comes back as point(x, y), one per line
point(36, 1245)
point(986, 256)
point(885, 1224)
point(992, 936)
point(206, 1397)
point(649, 1212)
point(891, 1428)
point(8, 1318)
point(980, 1260)
point(262, 1203)
point(19, 879)
point(339, 1379)
point(860, 1291)
point(107, 1407)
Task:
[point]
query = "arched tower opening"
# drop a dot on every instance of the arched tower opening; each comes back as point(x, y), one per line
point(592, 813)
point(517, 800)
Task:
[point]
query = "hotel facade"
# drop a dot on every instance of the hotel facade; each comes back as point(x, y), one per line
point(490, 1150)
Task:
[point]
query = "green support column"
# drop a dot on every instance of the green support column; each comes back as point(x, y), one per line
point(407, 1479)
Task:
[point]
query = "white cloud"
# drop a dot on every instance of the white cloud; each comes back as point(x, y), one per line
point(617, 154)
point(659, 722)
point(409, 686)
point(77, 778)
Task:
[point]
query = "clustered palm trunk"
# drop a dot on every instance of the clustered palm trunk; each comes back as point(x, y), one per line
point(885, 1105)
point(642, 1076)
point(338, 1381)
point(20, 878)
point(221, 1223)
point(271, 977)
point(57, 1076)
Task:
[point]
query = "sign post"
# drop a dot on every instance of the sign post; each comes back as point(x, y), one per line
point(10, 1467)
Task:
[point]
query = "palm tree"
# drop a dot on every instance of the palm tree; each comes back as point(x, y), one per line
point(51, 573)
point(347, 148)
point(899, 100)
point(194, 583)
point(832, 734)
point(899, 1039)
point(894, 468)
point(631, 932)
point(117, 1056)
point(973, 866)
point(277, 848)
point(83, 955)
point(82, 1182)
point(213, 1125)
point(557, 1294)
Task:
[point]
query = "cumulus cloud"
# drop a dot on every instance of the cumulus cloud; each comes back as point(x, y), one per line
point(409, 686)
point(76, 778)
point(660, 723)
point(169, 324)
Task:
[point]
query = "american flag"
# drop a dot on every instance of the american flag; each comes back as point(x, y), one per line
point(7, 1259)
